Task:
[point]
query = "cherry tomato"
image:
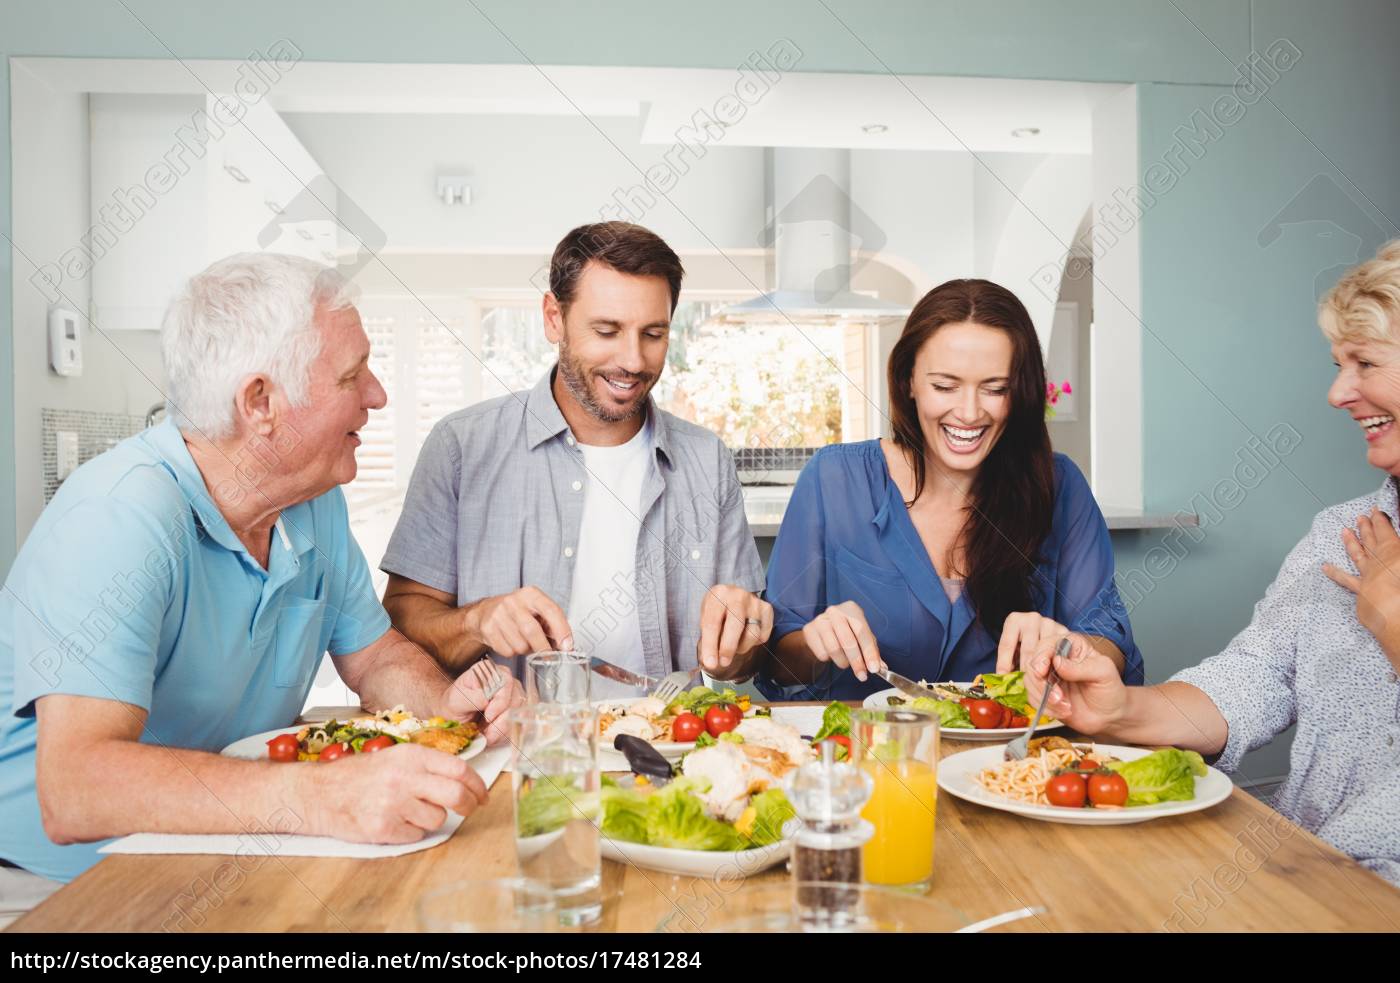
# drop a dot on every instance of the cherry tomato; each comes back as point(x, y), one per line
point(1108, 790)
point(1086, 765)
point(1007, 715)
point(283, 747)
point(1019, 721)
point(985, 714)
point(333, 751)
point(967, 701)
point(841, 741)
point(377, 744)
point(722, 718)
point(686, 728)
point(1066, 790)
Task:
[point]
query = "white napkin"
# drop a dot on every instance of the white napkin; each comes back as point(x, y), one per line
point(488, 765)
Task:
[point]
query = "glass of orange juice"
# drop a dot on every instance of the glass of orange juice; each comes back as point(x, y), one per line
point(898, 749)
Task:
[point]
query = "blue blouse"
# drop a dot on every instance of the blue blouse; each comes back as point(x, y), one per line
point(847, 536)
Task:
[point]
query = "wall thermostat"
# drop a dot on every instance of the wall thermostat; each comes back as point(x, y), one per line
point(65, 343)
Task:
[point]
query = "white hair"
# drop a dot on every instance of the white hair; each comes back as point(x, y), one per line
point(247, 313)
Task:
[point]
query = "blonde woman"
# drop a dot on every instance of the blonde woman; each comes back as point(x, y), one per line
point(1323, 649)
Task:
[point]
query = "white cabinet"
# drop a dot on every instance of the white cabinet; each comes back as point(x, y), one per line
point(179, 181)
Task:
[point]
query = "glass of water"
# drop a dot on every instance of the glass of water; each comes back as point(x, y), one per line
point(557, 677)
point(557, 805)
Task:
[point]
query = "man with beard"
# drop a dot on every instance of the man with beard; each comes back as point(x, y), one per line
point(578, 514)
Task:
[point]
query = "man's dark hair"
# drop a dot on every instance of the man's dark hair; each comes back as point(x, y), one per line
point(622, 246)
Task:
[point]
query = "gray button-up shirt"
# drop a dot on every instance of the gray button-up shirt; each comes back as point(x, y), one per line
point(1305, 658)
point(496, 501)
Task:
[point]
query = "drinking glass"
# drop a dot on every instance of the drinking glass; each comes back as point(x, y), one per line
point(488, 907)
point(898, 749)
point(557, 677)
point(557, 805)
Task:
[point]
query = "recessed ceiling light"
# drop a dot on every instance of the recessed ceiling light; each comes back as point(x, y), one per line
point(1026, 131)
point(874, 128)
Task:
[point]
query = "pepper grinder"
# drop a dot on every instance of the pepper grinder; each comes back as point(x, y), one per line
point(828, 796)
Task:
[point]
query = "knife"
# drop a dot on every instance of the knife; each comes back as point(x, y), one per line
point(618, 674)
point(904, 684)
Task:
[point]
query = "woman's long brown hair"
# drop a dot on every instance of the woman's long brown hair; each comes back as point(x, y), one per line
point(1013, 495)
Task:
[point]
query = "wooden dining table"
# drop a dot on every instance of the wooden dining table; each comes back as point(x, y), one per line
point(1238, 866)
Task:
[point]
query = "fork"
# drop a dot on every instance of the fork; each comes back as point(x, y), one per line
point(1019, 748)
point(672, 685)
point(489, 676)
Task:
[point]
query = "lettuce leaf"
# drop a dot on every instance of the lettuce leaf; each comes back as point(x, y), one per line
point(1168, 775)
point(676, 818)
point(951, 713)
point(624, 813)
point(1008, 689)
point(762, 822)
point(835, 721)
point(548, 804)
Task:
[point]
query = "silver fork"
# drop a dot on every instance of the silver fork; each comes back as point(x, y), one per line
point(1019, 748)
point(489, 676)
point(670, 687)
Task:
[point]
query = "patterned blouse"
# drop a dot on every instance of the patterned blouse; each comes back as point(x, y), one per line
point(1306, 659)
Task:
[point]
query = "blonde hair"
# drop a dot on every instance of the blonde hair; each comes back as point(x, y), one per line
point(1365, 303)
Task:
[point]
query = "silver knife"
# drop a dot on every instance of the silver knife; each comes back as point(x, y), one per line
point(904, 684)
point(618, 674)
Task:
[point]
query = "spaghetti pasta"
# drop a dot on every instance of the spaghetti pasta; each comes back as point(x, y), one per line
point(1024, 780)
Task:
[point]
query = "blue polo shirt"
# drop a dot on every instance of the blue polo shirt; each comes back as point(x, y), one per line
point(132, 587)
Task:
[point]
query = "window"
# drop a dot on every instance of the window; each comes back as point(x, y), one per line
point(757, 386)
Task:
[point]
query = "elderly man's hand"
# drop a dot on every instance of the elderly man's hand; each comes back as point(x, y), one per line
point(733, 623)
point(465, 699)
point(397, 795)
point(1374, 549)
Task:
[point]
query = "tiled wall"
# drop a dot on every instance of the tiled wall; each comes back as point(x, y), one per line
point(771, 464)
point(96, 433)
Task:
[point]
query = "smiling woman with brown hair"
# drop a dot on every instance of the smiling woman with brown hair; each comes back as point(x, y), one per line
point(957, 545)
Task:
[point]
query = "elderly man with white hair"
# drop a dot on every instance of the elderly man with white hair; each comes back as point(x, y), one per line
point(180, 590)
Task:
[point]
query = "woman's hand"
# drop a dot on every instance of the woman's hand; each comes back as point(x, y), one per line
point(1021, 633)
point(841, 636)
point(1374, 549)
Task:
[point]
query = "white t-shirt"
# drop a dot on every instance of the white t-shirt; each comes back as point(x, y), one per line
point(603, 601)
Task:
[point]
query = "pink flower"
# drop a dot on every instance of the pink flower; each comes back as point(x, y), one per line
point(1067, 389)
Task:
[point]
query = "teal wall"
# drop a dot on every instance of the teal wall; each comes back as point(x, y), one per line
point(1232, 347)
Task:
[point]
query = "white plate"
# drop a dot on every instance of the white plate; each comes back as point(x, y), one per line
point(255, 748)
point(736, 864)
point(957, 775)
point(807, 720)
point(880, 700)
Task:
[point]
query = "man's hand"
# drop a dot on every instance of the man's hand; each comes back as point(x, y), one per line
point(518, 623)
point(465, 699)
point(733, 622)
point(841, 636)
point(1374, 549)
point(1021, 634)
point(397, 795)
point(1090, 696)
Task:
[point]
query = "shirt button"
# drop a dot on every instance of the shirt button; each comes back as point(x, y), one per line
point(577, 485)
point(695, 554)
point(568, 551)
point(569, 439)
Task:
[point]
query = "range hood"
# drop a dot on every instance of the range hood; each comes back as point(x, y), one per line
point(813, 228)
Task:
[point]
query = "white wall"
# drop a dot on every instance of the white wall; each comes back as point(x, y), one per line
point(50, 141)
point(923, 202)
point(532, 179)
